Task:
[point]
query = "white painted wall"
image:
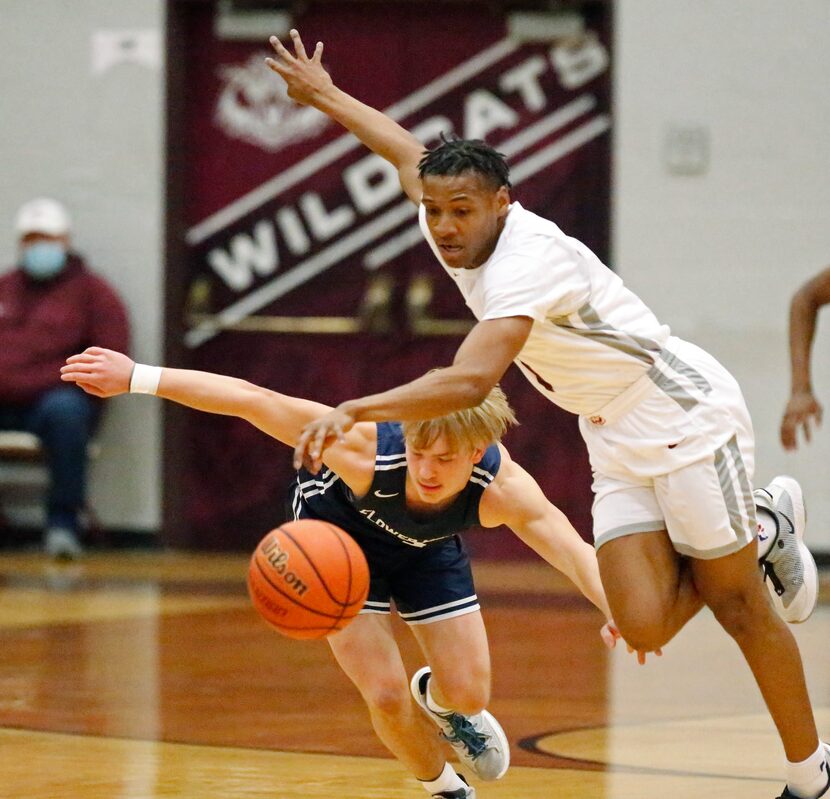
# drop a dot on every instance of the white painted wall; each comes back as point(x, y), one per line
point(95, 142)
point(718, 255)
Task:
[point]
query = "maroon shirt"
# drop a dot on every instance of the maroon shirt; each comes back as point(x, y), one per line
point(42, 323)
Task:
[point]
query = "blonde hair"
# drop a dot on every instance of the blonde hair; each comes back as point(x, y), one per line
point(476, 427)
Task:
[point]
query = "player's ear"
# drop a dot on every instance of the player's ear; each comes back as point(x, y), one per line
point(478, 454)
point(502, 201)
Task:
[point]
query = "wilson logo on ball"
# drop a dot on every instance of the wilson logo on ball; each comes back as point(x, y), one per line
point(278, 559)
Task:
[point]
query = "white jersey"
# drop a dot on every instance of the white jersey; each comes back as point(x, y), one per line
point(591, 337)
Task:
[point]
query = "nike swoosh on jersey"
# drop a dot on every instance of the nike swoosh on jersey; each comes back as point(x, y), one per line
point(380, 495)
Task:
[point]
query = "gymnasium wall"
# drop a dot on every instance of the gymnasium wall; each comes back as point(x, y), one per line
point(82, 110)
point(720, 196)
point(721, 193)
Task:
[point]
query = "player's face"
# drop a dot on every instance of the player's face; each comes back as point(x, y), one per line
point(438, 473)
point(465, 216)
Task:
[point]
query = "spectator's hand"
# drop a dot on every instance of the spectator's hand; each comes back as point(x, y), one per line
point(103, 373)
point(305, 77)
point(610, 635)
point(802, 410)
point(318, 435)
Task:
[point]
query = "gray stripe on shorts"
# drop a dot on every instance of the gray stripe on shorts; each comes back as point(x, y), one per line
point(746, 488)
point(730, 452)
point(709, 554)
point(672, 389)
point(681, 367)
point(628, 529)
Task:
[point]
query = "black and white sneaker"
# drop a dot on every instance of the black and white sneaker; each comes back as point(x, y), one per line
point(467, 792)
point(479, 740)
point(789, 569)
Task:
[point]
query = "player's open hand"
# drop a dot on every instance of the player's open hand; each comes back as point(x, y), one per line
point(103, 373)
point(318, 435)
point(610, 635)
point(802, 411)
point(305, 77)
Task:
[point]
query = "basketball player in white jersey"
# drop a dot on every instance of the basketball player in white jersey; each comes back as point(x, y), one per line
point(403, 493)
point(668, 433)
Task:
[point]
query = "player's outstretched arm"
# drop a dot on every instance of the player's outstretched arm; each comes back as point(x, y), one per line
point(106, 373)
point(479, 364)
point(515, 499)
point(309, 84)
point(803, 409)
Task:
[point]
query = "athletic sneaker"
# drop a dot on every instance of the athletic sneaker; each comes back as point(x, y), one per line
point(825, 792)
point(61, 543)
point(478, 740)
point(789, 569)
point(467, 792)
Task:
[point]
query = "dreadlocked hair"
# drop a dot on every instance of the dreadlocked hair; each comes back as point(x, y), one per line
point(456, 156)
point(470, 428)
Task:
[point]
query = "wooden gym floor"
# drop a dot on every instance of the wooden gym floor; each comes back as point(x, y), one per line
point(139, 676)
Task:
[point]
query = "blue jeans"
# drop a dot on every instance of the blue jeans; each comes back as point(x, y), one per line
point(64, 418)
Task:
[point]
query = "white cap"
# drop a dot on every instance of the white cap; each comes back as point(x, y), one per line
point(42, 216)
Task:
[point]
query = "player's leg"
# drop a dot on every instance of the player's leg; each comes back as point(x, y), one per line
point(648, 584)
point(436, 597)
point(368, 653)
point(732, 587)
point(64, 419)
point(710, 512)
point(459, 659)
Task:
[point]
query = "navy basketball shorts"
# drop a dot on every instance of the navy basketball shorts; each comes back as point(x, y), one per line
point(426, 584)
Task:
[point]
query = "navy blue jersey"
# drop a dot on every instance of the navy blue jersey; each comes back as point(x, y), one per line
point(382, 512)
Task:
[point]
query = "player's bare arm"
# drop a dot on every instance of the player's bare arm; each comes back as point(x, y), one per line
point(803, 409)
point(106, 373)
point(515, 499)
point(309, 84)
point(483, 357)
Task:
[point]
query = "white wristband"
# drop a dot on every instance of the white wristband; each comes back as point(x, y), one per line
point(145, 379)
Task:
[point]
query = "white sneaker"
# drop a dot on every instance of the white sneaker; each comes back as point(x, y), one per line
point(61, 543)
point(789, 569)
point(467, 792)
point(479, 740)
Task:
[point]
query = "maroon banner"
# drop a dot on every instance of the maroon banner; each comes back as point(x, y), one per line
point(293, 228)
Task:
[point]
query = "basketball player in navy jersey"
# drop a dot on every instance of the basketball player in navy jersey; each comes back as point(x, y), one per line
point(404, 492)
point(676, 522)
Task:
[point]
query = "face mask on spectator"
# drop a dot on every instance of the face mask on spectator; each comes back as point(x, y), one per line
point(44, 259)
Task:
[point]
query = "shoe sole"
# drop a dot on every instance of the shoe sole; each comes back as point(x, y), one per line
point(793, 488)
point(498, 732)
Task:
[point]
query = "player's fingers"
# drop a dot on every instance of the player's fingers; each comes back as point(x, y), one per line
point(274, 66)
point(301, 448)
point(81, 357)
point(318, 53)
point(641, 658)
point(299, 47)
point(280, 49)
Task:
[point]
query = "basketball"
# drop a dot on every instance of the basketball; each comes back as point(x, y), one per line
point(308, 579)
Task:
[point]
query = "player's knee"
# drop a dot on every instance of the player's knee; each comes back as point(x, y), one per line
point(642, 633)
point(735, 611)
point(387, 697)
point(468, 693)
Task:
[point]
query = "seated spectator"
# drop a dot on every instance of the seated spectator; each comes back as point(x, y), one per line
point(52, 305)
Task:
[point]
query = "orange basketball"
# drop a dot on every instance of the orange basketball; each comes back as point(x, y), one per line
point(308, 579)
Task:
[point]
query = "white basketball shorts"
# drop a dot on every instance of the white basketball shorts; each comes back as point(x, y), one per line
point(675, 451)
